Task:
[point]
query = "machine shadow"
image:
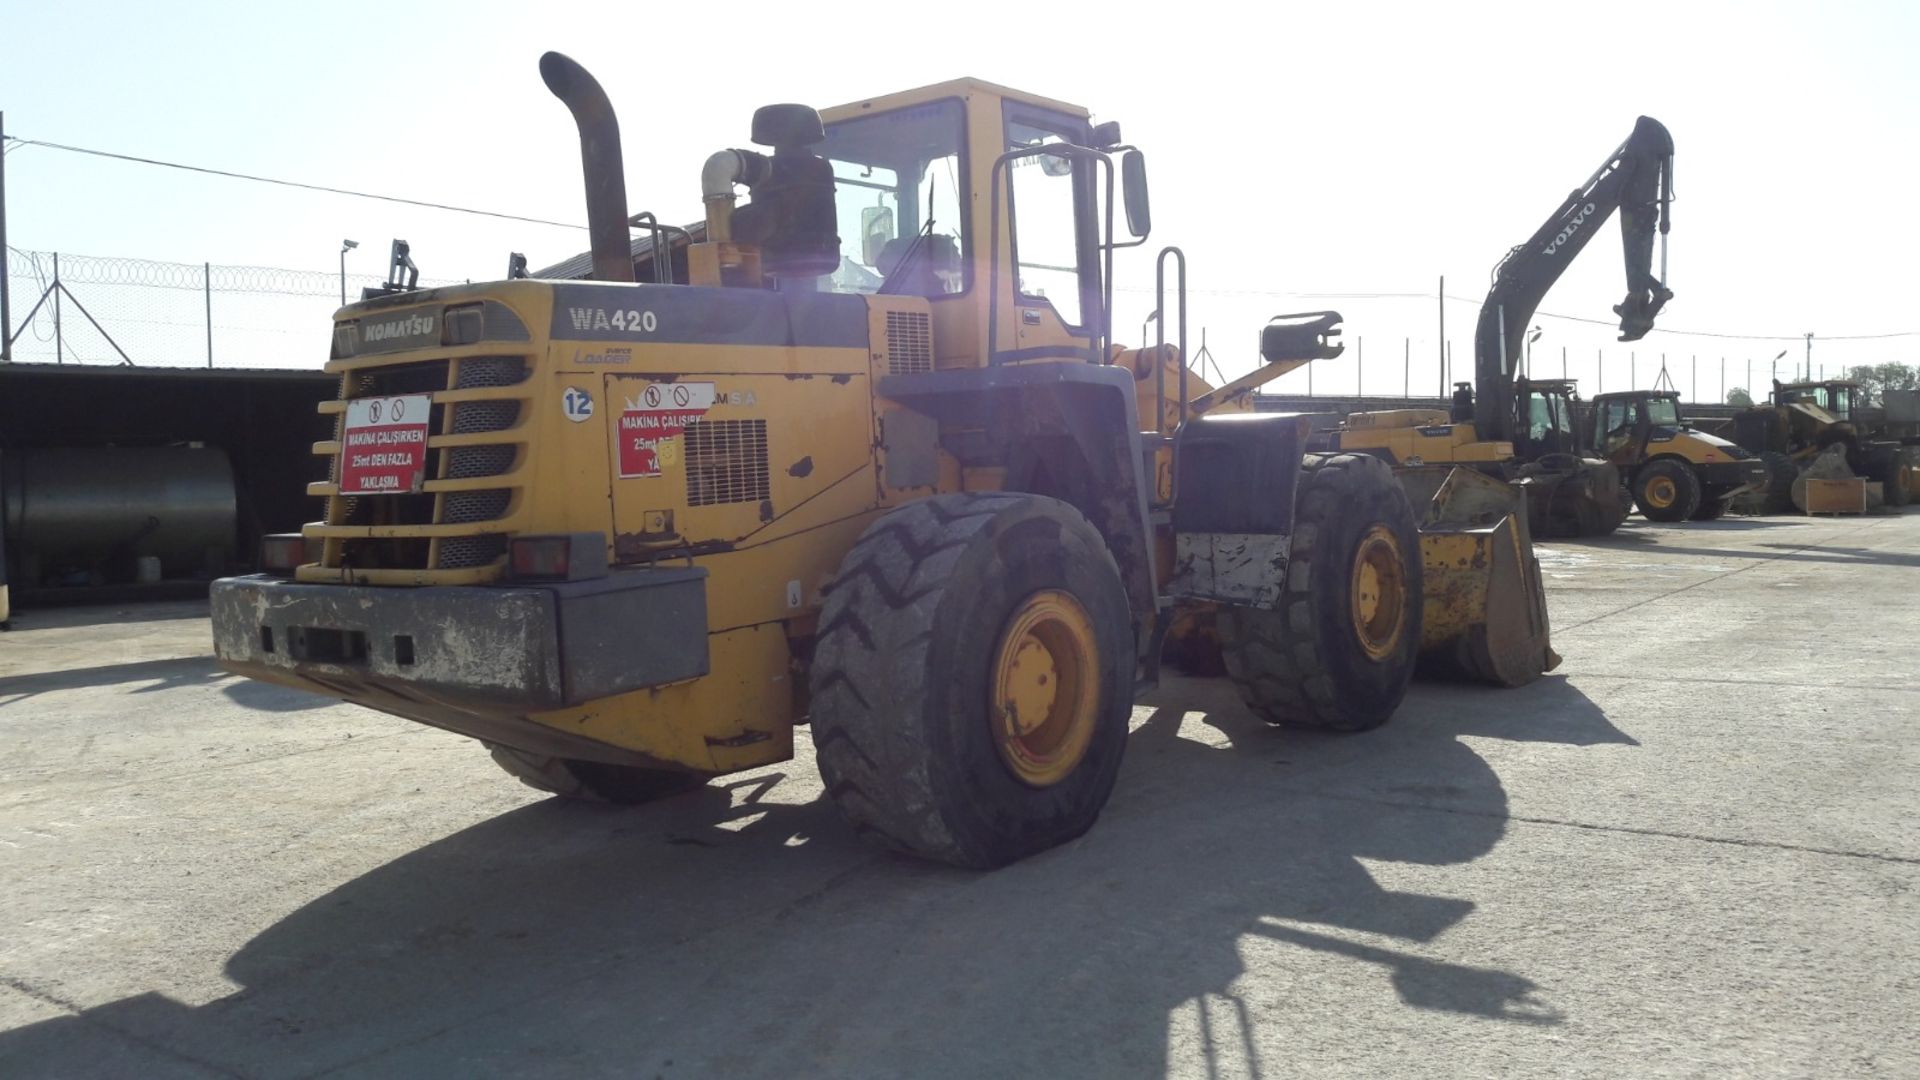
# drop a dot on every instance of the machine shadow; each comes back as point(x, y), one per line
point(1824, 553)
point(735, 932)
point(157, 674)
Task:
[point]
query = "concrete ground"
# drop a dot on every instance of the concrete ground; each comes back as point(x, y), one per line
point(1691, 851)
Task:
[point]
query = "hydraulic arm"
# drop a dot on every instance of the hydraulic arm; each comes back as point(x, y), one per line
point(1637, 180)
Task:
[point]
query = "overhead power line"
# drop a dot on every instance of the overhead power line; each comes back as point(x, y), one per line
point(289, 183)
point(17, 142)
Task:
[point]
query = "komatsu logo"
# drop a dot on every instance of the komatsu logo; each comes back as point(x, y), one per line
point(411, 326)
point(1573, 226)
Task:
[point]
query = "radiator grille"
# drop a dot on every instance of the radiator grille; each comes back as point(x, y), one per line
point(909, 343)
point(461, 552)
point(469, 508)
point(726, 462)
point(491, 371)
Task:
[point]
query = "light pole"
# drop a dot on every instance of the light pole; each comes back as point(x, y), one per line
point(345, 246)
point(1533, 335)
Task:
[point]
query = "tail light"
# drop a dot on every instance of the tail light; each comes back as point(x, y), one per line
point(558, 557)
point(282, 553)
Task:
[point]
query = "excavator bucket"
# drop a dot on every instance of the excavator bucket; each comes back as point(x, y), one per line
point(1485, 608)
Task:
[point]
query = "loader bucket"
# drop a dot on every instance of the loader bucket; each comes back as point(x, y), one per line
point(1485, 608)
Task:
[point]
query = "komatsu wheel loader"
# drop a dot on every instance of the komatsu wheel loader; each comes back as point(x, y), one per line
point(862, 455)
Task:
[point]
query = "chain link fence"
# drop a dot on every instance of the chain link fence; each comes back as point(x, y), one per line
point(90, 309)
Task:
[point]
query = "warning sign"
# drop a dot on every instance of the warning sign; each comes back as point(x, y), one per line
point(384, 446)
point(654, 419)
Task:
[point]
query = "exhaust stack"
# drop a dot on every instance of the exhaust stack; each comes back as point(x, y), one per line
point(600, 163)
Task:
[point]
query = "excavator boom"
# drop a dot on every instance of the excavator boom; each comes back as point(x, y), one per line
point(1637, 180)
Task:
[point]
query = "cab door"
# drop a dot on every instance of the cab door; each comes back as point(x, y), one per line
point(1054, 305)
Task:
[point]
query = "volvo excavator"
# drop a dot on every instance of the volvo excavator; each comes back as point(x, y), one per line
point(1521, 429)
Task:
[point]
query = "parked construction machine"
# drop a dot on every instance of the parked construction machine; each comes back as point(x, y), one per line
point(1675, 471)
point(1801, 419)
point(862, 456)
point(1513, 426)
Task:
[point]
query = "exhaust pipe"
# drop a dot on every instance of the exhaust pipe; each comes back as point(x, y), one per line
point(600, 162)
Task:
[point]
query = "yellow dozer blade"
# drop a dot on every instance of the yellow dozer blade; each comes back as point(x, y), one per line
point(1485, 609)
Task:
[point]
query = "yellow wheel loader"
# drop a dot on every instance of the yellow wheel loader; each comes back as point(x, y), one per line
point(1804, 418)
point(860, 455)
point(1675, 472)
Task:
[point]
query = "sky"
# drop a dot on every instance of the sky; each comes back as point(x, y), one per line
point(1303, 156)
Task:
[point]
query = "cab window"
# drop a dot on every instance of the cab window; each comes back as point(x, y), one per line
point(899, 184)
point(1541, 419)
point(1617, 422)
point(1050, 203)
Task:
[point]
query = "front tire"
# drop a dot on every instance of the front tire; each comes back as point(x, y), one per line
point(1667, 491)
point(1781, 473)
point(1338, 651)
point(973, 678)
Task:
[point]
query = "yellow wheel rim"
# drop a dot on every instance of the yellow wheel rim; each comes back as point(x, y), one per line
point(1661, 492)
point(1379, 593)
point(1046, 692)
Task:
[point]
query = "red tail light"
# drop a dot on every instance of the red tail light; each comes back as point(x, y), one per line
point(541, 557)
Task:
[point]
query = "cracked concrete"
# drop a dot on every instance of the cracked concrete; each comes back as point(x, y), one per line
point(1690, 851)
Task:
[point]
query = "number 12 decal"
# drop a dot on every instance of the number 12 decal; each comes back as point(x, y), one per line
point(577, 404)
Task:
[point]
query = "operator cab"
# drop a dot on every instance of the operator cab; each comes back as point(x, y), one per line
point(1625, 423)
point(1834, 397)
point(1551, 426)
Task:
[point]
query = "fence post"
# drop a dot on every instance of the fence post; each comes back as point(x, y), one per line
point(6, 269)
point(1360, 368)
point(59, 343)
point(1563, 361)
point(1443, 337)
point(206, 281)
point(1406, 370)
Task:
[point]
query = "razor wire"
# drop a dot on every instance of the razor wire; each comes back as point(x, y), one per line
point(172, 314)
point(194, 277)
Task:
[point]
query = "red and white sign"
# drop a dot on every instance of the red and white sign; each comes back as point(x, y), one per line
point(383, 449)
point(654, 419)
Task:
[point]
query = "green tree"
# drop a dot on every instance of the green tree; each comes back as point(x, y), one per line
point(1739, 396)
point(1877, 379)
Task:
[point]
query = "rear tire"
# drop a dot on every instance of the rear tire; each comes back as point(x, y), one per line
point(593, 781)
point(1667, 491)
point(1893, 480)
point(1324, 658)
point(1781, 472)
point(973, 678)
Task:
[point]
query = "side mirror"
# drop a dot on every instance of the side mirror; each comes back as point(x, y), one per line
point(1133, 190)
